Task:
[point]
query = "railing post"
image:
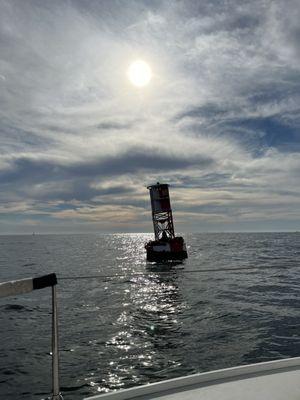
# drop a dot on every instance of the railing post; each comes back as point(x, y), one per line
point(55, 357)
point(12, 288)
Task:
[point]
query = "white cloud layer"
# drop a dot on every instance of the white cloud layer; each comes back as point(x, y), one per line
point(219, 121)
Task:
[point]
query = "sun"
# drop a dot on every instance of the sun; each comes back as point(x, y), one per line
point(139, 73)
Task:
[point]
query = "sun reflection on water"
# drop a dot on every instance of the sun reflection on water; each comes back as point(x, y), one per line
point(146, 306)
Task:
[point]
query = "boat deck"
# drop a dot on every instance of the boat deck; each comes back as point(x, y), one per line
point(275, 380)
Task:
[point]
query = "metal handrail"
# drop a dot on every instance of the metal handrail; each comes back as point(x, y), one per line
point(21, 286)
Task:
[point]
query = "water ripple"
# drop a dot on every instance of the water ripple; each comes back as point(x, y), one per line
point(146, 322)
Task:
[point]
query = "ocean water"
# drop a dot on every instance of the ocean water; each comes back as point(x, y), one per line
point(234, 301)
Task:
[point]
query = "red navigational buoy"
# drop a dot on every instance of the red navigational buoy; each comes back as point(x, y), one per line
point(166, 245)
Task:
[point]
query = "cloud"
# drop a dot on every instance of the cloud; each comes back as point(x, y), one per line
point(132, 161)
point(219, 121)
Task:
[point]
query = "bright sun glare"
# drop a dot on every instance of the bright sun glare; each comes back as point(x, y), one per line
point(139, 73)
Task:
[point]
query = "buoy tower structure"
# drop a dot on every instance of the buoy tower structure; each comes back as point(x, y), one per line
point(166, 245)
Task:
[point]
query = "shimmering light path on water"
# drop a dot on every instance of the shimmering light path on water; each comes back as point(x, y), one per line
point(142, 322)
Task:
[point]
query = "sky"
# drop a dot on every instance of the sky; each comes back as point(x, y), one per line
point(219, 120)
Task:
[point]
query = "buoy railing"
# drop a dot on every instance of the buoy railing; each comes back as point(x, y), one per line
point(21, 286)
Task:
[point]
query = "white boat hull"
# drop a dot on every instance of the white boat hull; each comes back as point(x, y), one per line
point(274, 380)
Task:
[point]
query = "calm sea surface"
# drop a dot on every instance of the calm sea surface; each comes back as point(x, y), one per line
point(144, 323)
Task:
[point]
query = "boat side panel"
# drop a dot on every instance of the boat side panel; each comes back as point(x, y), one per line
point(289, 369)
